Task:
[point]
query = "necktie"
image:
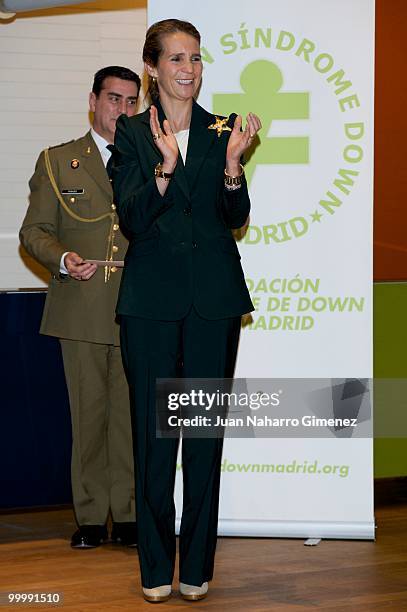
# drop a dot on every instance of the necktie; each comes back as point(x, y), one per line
point(109, 164)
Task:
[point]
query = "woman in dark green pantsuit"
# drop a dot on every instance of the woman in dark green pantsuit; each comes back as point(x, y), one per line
point(179, 190)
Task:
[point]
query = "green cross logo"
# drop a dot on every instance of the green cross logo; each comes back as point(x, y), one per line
point(257, 78)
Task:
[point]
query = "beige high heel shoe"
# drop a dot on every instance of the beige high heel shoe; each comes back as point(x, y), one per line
point(157, 594)
point(191, 592)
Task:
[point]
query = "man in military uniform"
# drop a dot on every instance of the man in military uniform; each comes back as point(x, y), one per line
point(71, 219)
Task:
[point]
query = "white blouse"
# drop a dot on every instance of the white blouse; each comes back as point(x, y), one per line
point(182, 140)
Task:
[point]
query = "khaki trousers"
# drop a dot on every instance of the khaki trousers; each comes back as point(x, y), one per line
point(102, 469)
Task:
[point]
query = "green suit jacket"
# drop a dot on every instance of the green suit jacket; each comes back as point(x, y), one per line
point(75, 310)
point(182, 252)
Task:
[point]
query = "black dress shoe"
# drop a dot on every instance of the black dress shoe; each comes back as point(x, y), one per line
point(125, 534)
point(89, 536)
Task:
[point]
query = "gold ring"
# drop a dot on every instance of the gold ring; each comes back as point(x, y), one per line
point(156, 136)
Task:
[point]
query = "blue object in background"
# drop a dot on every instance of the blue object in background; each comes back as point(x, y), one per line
point(35, 426)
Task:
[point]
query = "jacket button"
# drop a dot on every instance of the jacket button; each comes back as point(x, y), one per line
point(194, 245)
point(187, 211)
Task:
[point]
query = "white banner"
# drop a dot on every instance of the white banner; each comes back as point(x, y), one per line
point(306, 68)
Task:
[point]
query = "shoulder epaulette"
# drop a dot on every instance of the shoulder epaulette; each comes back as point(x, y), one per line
point(61, 145)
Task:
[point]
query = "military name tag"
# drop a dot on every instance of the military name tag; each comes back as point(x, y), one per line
point(72, 191)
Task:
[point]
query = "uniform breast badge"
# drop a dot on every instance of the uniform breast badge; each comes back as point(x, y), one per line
point(74, 164)
point(220, 126)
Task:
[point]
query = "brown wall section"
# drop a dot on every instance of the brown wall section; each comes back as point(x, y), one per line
point(390, 185)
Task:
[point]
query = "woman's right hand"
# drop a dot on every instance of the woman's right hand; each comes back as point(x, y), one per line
point(164, 140)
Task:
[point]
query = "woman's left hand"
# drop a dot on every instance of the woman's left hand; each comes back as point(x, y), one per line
point(240, 141)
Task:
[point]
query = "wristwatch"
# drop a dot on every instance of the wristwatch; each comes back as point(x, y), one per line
point(159, 172)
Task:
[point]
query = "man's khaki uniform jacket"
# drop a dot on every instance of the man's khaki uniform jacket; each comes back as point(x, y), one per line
point(75, 310)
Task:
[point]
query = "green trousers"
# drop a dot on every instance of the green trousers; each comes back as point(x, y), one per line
point(102, 469)
point(155, 349)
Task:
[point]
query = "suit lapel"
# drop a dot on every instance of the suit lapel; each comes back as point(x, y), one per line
point(93, 165)
point(179, 173)
point(147, 134)
point(201, 139)
point(180, 176)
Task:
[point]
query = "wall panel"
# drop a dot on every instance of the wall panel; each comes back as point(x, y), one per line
point(47, 62)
